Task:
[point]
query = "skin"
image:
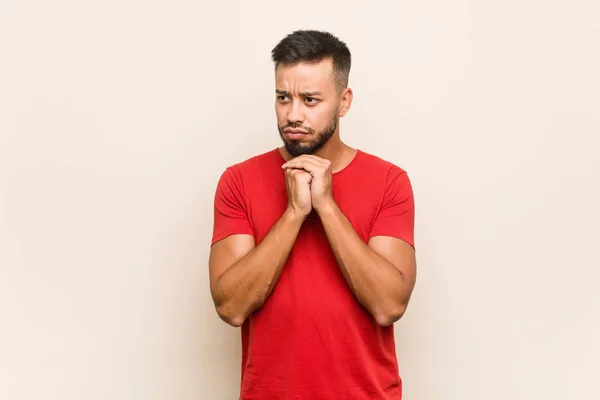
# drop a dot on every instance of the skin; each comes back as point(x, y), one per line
point(380, 273)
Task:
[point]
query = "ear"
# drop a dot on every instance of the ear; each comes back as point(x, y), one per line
point(345, 101)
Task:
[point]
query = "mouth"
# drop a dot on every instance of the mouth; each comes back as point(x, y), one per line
point(294, 134)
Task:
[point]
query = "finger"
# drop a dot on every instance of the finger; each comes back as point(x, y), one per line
point(303, 163)
point(306, 165)
point(295, 172)
point(298, 175)
point(311, 157)
point(317, 159)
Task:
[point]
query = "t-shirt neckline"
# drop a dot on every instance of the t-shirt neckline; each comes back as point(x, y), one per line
point(353, 161)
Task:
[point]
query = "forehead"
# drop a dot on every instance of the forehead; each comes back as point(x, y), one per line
point(304, 75)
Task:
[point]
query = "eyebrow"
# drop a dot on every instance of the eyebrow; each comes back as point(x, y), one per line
point(301, 94)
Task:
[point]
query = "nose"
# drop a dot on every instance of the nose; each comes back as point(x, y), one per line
point(294, 115)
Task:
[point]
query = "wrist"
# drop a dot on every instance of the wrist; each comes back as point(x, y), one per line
point(328, 207)
point(294, 216)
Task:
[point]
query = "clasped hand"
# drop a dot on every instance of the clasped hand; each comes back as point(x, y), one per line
point(319, 181)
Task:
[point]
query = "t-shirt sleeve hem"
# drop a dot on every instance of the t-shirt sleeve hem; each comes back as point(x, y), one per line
point(225, 234)
point(400, 236)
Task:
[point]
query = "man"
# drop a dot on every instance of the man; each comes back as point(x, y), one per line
point(312, 251)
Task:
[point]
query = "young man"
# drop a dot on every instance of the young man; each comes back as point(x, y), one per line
point(312, 251)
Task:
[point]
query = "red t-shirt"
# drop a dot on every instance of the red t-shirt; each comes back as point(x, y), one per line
point(312, 339)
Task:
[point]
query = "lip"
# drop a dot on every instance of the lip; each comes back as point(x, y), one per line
point(293, 134)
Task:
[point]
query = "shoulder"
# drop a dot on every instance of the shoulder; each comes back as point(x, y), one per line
point(378, 166)
point(252, 166)
point(394, 183)
point(255, 163)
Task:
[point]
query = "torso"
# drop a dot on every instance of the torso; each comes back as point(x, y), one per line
point(312, 337)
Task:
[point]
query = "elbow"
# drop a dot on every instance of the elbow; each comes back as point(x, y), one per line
point(390, 316)
point(235, 322)
point(236, 314)
point(234, 319)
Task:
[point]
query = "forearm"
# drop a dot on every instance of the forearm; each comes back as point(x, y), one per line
point(376, 283)
point(244, 287)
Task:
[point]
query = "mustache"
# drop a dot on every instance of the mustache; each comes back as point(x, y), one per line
point(296, 126)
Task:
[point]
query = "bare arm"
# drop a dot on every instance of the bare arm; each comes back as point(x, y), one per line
point(242, 276)
point(381, 274)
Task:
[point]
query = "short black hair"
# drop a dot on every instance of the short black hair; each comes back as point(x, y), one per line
point(314, 46)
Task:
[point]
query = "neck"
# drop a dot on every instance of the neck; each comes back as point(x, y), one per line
point(334, 151)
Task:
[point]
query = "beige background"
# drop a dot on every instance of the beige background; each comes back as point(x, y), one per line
point(117, 117)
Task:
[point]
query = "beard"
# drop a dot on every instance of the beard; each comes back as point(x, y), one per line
point(297, 148)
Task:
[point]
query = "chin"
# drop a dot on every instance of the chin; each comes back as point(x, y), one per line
point(296, 150)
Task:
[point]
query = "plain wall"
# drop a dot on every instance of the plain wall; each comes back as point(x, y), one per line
point(118, 117)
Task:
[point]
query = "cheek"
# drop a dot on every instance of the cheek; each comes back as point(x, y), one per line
point(320, 117)
point(280, 112)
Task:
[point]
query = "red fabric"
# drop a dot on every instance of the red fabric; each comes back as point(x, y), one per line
point(312, 339)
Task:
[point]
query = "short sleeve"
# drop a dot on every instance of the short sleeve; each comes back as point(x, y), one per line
point(396, 216)
point(230, 213)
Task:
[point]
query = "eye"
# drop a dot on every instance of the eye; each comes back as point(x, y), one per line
point(311, 100)
point(281, 97)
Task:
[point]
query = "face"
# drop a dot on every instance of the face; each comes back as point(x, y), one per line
point(308, 105)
